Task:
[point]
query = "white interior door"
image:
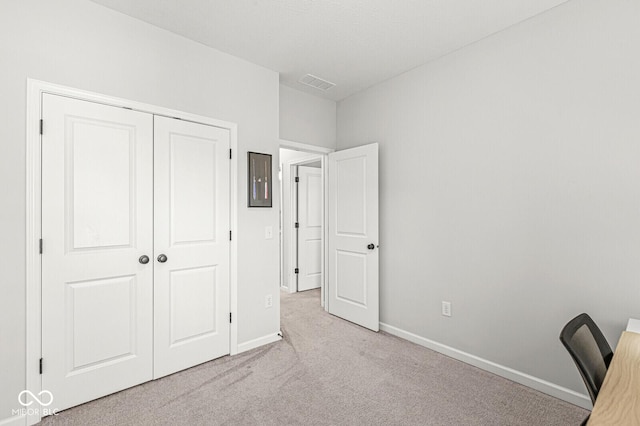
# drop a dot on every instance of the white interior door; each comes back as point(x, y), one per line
point(97, 222)
point(353, 235)
point(191, 244)
point(310, 227)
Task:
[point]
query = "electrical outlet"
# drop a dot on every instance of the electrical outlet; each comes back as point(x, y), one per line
point(446, 308)
point(268, 301)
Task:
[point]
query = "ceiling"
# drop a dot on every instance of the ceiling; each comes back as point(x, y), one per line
point(352, 43)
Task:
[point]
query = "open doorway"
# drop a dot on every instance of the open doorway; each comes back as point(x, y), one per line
point(349, 276)
point(302, 218)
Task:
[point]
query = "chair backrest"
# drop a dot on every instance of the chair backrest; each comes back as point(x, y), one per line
point(589, 349)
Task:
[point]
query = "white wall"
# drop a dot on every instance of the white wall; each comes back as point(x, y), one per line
point(80, 44)
point(307, 119)
point(510, 186)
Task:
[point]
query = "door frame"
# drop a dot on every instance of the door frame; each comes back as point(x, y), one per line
point(315, 153)
point(35, 90)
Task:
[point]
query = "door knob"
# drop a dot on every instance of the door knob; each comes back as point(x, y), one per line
point(162, 258)
point(144, 259)
point(371, 246)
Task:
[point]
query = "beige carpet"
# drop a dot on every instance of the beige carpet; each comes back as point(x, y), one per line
point(327, 371)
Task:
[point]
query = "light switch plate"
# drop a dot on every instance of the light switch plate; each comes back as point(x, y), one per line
point(446, 308)
point(268, 232)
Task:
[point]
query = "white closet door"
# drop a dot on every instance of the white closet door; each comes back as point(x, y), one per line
point(353, 235)
point(310, 227)
point(97, 222)
point(191, 259)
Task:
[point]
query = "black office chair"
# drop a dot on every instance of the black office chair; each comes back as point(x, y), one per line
point(590, 351)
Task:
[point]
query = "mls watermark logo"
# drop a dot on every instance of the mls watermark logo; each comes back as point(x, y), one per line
point(43, 400)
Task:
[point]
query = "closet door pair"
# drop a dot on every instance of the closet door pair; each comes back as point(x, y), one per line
point(135, 262)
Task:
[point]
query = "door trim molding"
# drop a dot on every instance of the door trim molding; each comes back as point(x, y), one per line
point(33, 231)
point(299, 146)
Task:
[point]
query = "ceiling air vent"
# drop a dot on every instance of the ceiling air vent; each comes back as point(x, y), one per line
point(316, 82)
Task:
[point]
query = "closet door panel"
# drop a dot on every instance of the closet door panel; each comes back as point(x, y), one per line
point(97, 221)
point(191, 211)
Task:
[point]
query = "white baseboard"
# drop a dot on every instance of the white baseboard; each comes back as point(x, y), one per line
point(260, 341)
point(14, 421)
point(536, 383)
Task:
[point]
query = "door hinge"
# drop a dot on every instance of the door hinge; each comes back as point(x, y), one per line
point(229, 317)
point(41, 244)
point(297, 225)
point(40, 365)
point(229, 235)
point(41, 125)
point(230, 156)
point(297, 271)
point(297, 179)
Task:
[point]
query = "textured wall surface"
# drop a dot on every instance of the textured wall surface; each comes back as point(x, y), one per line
point(510, 186)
